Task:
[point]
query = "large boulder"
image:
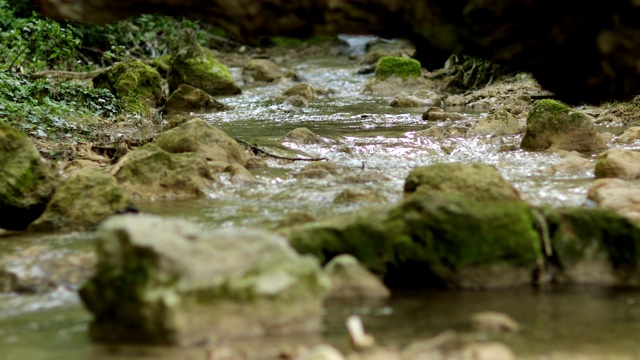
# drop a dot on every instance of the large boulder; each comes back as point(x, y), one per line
point(81, 201)
point(167, 281)
point(150, 173)
point(618, 163)
point(187, 99)
point(27, 181)
point(198, 136)
point(475, 180)
point(137, 86)
point(553, 125)
point(263, 70)
point(433, 240)
point(198, 67)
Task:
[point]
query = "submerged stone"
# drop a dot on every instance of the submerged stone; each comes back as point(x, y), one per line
point(27, 181)
point(198, 67)
point(150, 173)
point(476, 181)
point(197, 136)
point(167, 281)
point(137, 85)
point(551, 124)
point(84, 199)
point(187, 99)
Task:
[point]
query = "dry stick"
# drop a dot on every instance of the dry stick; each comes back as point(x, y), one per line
point(255, 148)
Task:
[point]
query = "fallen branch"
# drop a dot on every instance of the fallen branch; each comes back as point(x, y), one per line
point(256, 149)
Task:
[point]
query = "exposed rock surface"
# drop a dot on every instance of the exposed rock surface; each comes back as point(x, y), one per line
point(500, 122)
point(475, 180)
point(197, 136)
point(168, 281)
point(263, 70)
point(187, 99)
point(137, 85)
point(618, 195)
point(198, 67)
point(351, 280)
point(303, 136)
point(81, 201)
point(420, 98)
point(27, 181)
point(553, 125)
point(618, 163)
point(150, 173)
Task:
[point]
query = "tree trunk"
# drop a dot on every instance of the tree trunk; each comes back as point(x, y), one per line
point(583, 52)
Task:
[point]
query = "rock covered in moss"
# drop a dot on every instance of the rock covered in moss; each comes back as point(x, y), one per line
point(198, 136)
point(420, 98)
point(137, 86)
point(81, 201)
point(349, 279)
point(594, 246)
point(168, 281)
point(198, 67)
point(551, 124)
point(618, 163)
point(401, 67)
point(150, 173)
point(499, 122)
point(187, 99)
point(474, 180)
point(27, 181)
point(263, 70)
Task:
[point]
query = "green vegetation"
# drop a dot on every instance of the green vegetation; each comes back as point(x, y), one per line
point(401, 67)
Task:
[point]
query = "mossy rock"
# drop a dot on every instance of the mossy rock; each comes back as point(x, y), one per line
point(27, 181)
point(84, 199)
point(187, 99)
point(552, 124)
point(475, 181)
point(198, 67)
point(403, 68)
point(595, 246)
point(150, 173)
point(167, 281)
point(137, 86)
point(197, 136)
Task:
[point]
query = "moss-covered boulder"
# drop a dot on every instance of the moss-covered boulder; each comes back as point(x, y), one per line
point(618, 163)
point(197, 136)
point(198, 67)
point(168, 281)
point(263, 70)
point(187, 99)
point(594, 246)
point(82, 200)
point(403, 68)
point(137, 86)
point(150, 173)
point(433, 241)
point(27, 181)
point(476, 181)
point(553, 125)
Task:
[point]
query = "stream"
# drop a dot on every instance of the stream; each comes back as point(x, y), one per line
point(362, 134)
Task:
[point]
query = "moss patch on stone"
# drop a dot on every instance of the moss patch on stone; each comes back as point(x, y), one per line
point(401, 67)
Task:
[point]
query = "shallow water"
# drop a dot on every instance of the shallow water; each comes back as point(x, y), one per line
point(359, 130)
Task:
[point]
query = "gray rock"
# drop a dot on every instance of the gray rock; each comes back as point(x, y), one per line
point(618, 195)
point(629, 136)
point(618, 163)
point(83, 199)
point(167, 281)
point(500, 122)
point(349, 279)
point(27, 181)
point(303, 136)
point(302, 90)
point(263, 70)
point(187, 99)
point(420, 98)
point(553, 125)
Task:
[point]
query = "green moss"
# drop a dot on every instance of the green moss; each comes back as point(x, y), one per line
point(401, 67)
point(289, 42)
point(208, 65)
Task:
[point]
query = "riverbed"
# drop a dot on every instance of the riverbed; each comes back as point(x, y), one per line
point(361, 134)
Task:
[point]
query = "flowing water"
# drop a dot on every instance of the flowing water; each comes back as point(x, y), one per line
point(362, 135)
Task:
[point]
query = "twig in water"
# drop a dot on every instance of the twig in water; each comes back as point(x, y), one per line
point(257, 149)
